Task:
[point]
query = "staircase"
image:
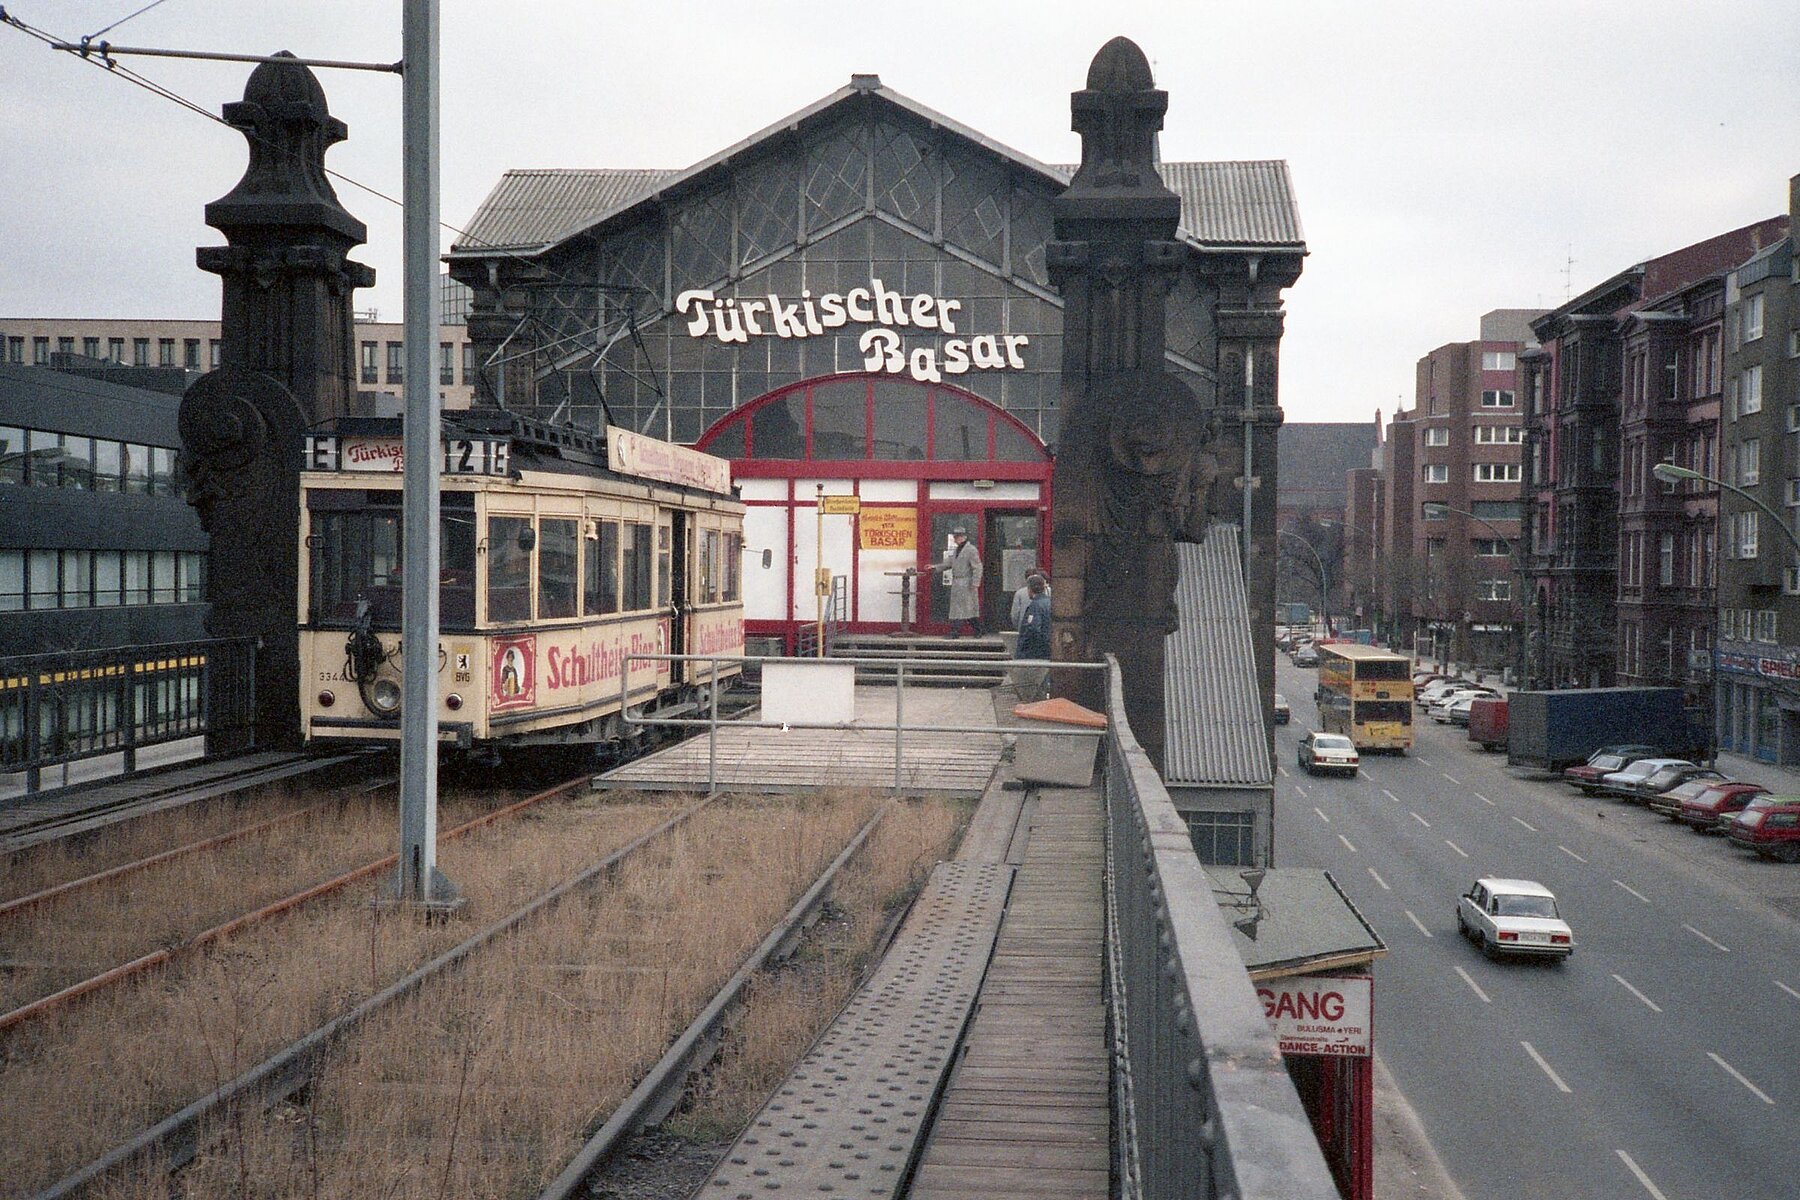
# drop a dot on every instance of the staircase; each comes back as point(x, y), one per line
point(955, 662)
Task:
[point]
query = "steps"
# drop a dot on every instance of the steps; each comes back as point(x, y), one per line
point(954, 662)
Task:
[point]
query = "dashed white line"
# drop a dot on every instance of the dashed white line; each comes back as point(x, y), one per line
point(1390, 795)
point(1707, 940)
point(1283, 770)
point(1632, 890)
point(1524, 822)
point(1417, 924)
point(1656, 1193)
point(1572, 854)
point(1539, 1060)
point(1790, 991)
point(1739, 1076)
point(1451, 778)
point(1373, 874)
point(1347, 845)
point(1421, 820)
point(1424, 762)
point(1473, 986)
point(1648, 1002)
point(1456, 847)
point(1322, 815)
point(1481, 797)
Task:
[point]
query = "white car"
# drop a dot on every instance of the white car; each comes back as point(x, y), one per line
point(1618, 783)
point(1440, 708)
point(1328, 752)
point(1513, 916)
point(1437, 689)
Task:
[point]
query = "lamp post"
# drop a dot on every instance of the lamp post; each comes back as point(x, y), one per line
point(1512, 552)
point(1324, 577)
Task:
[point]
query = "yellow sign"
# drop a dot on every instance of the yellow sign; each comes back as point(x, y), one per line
point(840, 506)
point(889, 528)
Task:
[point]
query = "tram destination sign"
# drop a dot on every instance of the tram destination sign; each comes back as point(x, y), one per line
point(650, 458)
point(385, 456)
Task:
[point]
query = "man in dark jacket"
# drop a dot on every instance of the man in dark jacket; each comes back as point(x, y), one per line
point(1034, 641)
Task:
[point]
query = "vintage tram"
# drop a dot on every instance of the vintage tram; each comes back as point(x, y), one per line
point(562, 553)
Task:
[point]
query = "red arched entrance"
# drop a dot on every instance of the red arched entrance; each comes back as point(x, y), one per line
point(920, 459)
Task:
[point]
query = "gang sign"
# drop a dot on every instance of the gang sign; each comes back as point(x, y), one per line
point(512, 676)
point(1320, 1014)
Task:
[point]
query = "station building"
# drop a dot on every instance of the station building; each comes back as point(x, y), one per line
point(855, 301)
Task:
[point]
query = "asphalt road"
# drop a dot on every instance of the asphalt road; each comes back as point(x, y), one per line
point(1661, 1061)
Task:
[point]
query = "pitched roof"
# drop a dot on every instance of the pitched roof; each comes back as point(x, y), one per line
point(1212, 703)
point(530, 210)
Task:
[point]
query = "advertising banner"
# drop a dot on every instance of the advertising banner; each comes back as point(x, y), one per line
point(889, 529)
point(1320, 1014)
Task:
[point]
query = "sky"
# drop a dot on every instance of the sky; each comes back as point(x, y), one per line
point(1447, 158)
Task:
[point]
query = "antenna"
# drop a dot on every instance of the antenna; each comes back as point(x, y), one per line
point(1568, 273)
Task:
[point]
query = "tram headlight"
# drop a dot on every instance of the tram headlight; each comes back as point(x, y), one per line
point(383, 697)
point(326, 699)
point(453, 702)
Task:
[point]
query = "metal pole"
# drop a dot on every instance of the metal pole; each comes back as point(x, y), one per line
point(899, 719)
point(819, 573)
point(712, 734)
point(418, 881)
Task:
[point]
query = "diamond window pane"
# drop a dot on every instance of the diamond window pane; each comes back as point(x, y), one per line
point(837, 169)
point(975, 197)
point(702, 241)
point(905, 181)
point(635, 260)
point(768, 198)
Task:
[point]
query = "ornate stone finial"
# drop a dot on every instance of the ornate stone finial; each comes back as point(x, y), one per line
point(284, 117)
point(1118, 116)
point(1120, 66)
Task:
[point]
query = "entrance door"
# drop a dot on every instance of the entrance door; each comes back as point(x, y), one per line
point(934, 590)
point(1009, 550)
point(675, 568)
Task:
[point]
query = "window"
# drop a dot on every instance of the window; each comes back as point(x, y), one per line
point(396, 363)
point(1437, 473)
point(1793, 492)
point(107, 578)
point(137, 576)
point(509, 569)
point(215, 354)
point(1489, 548)
point(1499, 435)
point(162, 471)
point(40, 579)
point(90, 347)
point(557, 546)
point(635, 567)
point(140, 352)
point(1665, 560)
point(1497, 473)
point(1223, 838)
point(1793, 340)
point(1494, 589)
point(1498, 360)
point(65, 345)
point(664, 539)
point(115, 350)
point(1497, 399)
point(446, 364)
point(600, 590)
point(15, 350)
point(468, 362)
point(165, 352)
point(1752, 317)
point(190, 353)
point(190, 578)
point(1749, 461)
point(77, 578)
point(734, 566)
point(12, 580)
point(78, 462)
point(1793, 418)
point(40, 351)
point(1495, 510)
point(369, 373)
point(1437, 436)
point(710, 572)
point(1750, 396)
point(1744, 530)
point(162, 576)
point(1765, 618)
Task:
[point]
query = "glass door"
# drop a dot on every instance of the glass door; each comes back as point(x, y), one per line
point(934, 589)
point(1009, 552)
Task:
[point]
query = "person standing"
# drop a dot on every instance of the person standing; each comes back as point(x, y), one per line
point(1034, 640)
point(1022, 597)
point(961, 569)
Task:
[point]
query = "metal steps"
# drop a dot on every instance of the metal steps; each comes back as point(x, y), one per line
point(955, 662)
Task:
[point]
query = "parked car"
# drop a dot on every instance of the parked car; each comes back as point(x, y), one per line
point(1440, 708)
point(1328, 752)
point(1604, 761)
point(1488, 722)
point(1626, 782)
point(1421, 678)
point(1434, 691)
point(1770, 826)
point(1283, 714)
point(1667, 802)
point(1513, 916)
point(1306, 656)
point(1457, 711)
point(1713, 809)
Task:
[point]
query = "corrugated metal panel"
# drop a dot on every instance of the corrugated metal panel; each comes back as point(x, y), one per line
point(529, 209)
point(1214, 709)
point(1231, 203)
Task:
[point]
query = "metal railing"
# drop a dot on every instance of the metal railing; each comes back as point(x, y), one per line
point(1203, 1107)
point(62, 708)
point(837, 614)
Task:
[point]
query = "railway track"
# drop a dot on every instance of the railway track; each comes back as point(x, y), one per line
point(175, 1142)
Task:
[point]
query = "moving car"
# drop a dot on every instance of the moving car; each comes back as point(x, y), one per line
point(1712, 810)
point(1328, 752)
point(1513, 916)
point(1687, 784)
point(1770, 826)
point(1604, 761)
point(1283, 714)
point(1306, 656)
point(1628, 783)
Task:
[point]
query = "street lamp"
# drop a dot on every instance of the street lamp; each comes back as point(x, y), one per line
point(1324, 594)
point(1670, 473)
point(1512, 552)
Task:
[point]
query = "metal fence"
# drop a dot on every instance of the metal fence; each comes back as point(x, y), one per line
point(61, 708)
point(1203, 1107)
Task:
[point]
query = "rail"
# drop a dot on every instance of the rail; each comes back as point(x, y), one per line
point(65, 707)
point(836, 614)
point(1203, 1107)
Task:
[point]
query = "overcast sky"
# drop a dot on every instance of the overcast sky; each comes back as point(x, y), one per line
point(1448, 158)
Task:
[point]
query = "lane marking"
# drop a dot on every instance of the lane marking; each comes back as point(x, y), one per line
point(1539, 1060)
point(1347, 845)
point(1656, 1193)
point(1456, 847)
point(1421, 820)
point(1299, 790)
point(1417, 924)
point(1378, 879)
point(1632, 890)
point(1425, 762)
point(1481, 798)
point(1790, 991)
point(1648, 1002)
point(1451, 778)
point(1390, 795)
point(1473, 986)
point(1524, 822)
point(1572, 854)
point(1282, 769)
point(1739, 1076)
point(1322, 815)
point(1707, 940)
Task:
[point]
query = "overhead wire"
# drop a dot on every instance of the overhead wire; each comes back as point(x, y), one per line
point(128, 16)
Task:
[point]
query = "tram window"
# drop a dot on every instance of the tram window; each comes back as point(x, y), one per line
point(600, 591)
point(664, 539)
point(509, 569)
point(709, 566)
point(356, 556)
point(734, 565)
point(635, 570)
point(558, 544)
point(456, 561)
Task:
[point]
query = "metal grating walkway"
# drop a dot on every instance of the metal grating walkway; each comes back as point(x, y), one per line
point(847, 1121)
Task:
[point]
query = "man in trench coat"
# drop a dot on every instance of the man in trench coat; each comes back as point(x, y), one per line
point(963, 565)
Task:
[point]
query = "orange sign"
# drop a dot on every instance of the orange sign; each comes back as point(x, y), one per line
point(889, 528)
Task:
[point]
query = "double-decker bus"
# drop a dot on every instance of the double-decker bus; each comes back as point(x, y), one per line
point(1366, 693)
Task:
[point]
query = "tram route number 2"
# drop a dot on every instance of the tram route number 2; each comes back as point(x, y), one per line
point(462, 456)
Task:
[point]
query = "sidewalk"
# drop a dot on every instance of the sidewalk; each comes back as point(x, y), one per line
point(1783, 781)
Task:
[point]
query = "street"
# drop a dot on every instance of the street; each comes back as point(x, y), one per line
point(1662, 1060)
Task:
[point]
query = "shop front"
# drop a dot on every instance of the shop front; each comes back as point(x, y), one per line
point(868, 477)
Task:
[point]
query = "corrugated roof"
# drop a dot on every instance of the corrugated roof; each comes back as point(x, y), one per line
point(1304, 922)
point(1222, 203)
point(1212, 702)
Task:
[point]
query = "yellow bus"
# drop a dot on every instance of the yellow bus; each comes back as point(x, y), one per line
point(1366, 693)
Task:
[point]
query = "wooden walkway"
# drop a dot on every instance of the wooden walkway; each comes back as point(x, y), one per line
point(759, 760)
point(1026, 1112)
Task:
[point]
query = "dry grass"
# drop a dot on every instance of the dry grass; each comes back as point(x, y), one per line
point(78, 1081)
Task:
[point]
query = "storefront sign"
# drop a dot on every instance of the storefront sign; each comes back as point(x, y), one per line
point(840, 506)
point(1755, 664)
point(648, 458)
point(1322, 1014)
point(889, 529)
point(733, 321)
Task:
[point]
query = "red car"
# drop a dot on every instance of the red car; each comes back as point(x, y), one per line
point(1772, 830)
point(1604, 761)
point(1712, 809)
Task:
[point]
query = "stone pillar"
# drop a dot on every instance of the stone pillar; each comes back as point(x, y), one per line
point(288, 364)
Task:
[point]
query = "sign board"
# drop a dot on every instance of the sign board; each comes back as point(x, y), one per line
point(1320, 1014)
point(889, 529)
point(840, 506)
point(650, 458)
point(385, 456)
